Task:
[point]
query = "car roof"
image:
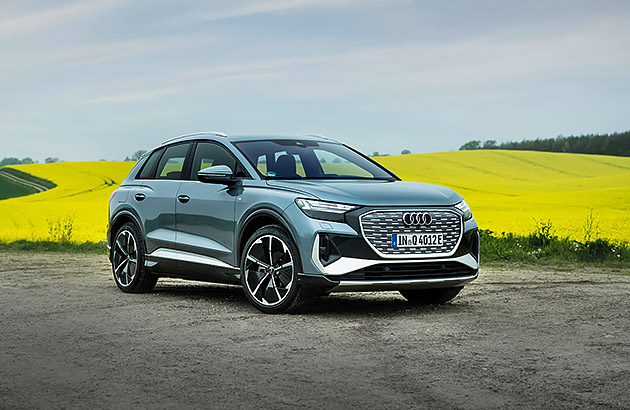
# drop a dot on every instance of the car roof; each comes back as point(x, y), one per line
point(220, 136)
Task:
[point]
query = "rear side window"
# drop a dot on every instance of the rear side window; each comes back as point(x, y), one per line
point(171, 164)
point(148, 169)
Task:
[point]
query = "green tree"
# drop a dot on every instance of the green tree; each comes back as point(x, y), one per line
point(136, 155)
point(10, 161)
point(617, 143)
point(405, 152)
point(470, 145)
point(490, 144)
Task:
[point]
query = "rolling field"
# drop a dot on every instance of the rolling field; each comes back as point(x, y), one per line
point(14, 183)
point(507, 191)
point(82, 192)
point(9, 189)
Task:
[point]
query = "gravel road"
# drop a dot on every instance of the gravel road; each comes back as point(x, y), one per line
point(515, 338)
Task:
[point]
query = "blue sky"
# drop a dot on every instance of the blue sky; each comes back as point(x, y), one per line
point(87, 80)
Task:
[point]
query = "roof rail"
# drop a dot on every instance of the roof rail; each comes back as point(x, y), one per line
point(316, 135)
point(194, 134)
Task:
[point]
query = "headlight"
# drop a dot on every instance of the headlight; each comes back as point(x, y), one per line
point(330, 211)
point(463, 206)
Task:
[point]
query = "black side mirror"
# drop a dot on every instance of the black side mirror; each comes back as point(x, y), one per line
point(218, 174)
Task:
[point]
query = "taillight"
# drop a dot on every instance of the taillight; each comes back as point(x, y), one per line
point(112, 195)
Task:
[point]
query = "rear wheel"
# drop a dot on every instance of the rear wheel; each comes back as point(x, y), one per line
point(430, 296)
point(128, 261)
point(269, 267)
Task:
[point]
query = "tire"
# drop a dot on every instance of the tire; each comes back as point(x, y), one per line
point(270, 264)
point(430, 296)
point(128, 268)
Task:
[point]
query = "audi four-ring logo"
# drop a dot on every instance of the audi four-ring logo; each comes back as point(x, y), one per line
point(417, 218)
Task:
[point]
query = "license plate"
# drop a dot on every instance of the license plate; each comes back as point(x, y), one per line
point(408, 240)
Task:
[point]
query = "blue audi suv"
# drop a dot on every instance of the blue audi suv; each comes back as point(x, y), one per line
point(288, 218)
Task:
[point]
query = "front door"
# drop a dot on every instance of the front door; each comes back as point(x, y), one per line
point(205, 218)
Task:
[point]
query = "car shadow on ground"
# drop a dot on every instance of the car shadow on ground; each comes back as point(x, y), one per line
point(355, 303)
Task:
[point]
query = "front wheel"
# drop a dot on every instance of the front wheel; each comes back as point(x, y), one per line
point(269, 271)
point(430, 296)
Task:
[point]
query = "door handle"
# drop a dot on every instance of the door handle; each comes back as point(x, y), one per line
point(139, 197)
point(183, 198)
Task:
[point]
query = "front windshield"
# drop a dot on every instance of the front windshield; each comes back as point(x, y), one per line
point(303, 159)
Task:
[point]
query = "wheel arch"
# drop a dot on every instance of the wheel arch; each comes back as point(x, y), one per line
point(256, 220)
point(119, 220)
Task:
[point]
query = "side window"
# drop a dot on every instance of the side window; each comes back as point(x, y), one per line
point(172, 162)
point(148, 169)
point(209, 154)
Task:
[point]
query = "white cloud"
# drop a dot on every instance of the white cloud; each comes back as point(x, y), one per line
point(487, 67)
point(136, 96)
point(151, 94)
point(43, 19)
point(282, 6)
point(101, 52)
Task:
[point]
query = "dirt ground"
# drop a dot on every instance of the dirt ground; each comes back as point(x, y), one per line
point(515, 338)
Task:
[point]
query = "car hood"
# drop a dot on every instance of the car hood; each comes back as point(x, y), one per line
point(373, 193)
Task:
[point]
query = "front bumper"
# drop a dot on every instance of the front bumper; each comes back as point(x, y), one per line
point(330, 284)
point(336, 257)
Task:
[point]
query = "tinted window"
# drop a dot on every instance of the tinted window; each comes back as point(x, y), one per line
point(287, 159)
point(208, 154)
point(148, 169)
point(172, 162)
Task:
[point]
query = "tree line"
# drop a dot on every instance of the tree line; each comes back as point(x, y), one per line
point(25, 161)
point(617, 144)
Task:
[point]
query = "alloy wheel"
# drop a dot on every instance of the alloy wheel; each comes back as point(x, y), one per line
point(125, 258)
point(269, 270)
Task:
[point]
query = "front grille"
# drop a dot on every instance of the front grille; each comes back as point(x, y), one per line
point(410, 271)
point(378, 227)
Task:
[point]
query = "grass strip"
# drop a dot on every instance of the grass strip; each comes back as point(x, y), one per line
point(28, 177)
point(50, 246)
point(539, 248)
point(543, 248)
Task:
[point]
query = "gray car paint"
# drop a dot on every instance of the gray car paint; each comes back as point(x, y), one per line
point(374, 193)
point(211, 222)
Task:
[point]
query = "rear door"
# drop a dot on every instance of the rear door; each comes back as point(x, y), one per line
point(155, 203)
point(205, 215)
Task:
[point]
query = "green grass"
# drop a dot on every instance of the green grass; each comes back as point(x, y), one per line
point(542, 247)
point(11, 189)
point(539, 248)
point(32, 178)
point(50, 246)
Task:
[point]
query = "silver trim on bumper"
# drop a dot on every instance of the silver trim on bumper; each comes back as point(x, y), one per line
point(346, 265)
point(368, 286)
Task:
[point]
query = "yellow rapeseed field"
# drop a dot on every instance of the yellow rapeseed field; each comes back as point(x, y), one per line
point(507, 191)
point(82, 192)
